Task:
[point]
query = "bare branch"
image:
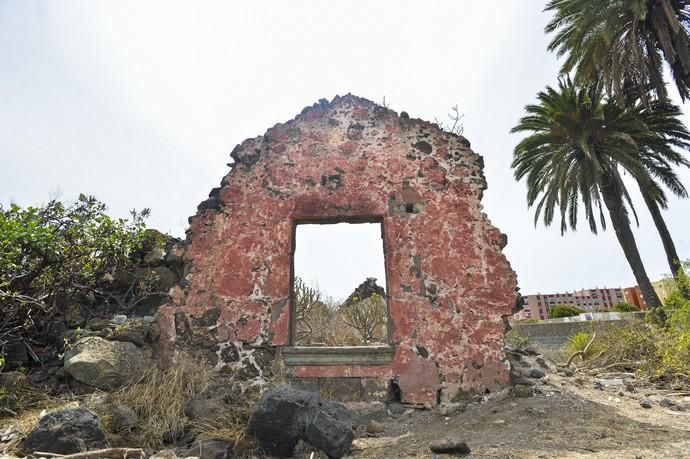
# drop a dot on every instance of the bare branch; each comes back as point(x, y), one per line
point(455, 126)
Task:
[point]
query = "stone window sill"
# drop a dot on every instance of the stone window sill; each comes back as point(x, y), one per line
point(341, 355)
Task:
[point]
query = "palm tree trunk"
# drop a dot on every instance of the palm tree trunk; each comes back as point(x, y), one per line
point(613, 199)
point(666, 240)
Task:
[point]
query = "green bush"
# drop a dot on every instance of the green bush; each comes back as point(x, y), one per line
point(516, 340)
point(625, 307)
point(60, 255)
point(563, 310)
point(655, 350)
point(677, 304)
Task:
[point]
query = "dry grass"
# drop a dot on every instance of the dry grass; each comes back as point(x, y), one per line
point(229, 426)
point(160, 398)
point(23, 403)
point(18, 394)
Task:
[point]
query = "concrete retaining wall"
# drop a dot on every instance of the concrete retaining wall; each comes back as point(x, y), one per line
point(551, 336)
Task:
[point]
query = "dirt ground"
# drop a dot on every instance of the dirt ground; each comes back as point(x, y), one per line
point(566, 417)
point(570, 418)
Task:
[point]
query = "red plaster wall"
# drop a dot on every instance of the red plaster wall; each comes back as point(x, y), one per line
point(447, 280)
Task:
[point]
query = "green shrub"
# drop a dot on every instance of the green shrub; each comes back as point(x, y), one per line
point(658, 350)
point(661, 354)
point(516, 340)
point(563, 310)
point(625, 307)
point(677, 304)
point(58, 256)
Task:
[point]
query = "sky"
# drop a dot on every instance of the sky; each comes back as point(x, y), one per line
point(140, 104)
point(319, 249)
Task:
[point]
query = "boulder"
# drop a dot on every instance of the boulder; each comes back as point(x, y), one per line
point(536, 373)
point(523, 382)
point(106, 364)
point(162, 277)
point(330, 427)
point(175, 256)
point(135, 331)
point(155, 257)
point(122, 418)
point(450, 446)
point(445, 409)
point(116, 416)
point(65, 432)
point(374, 427)
point(277, 421)
point(670, 404)
point(366, 289)
point(542, 362)
point(286, 415)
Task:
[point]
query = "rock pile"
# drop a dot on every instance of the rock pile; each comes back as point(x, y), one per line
point(110, 354)
point(363, 291)
point(528, 370)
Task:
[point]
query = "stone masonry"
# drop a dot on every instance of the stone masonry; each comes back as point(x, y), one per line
point(448, 284)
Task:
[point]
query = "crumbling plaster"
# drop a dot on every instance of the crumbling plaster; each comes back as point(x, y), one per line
point(448, 283)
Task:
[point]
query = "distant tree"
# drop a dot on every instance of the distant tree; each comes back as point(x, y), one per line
point(366, 316)
point(625, 307)
point(563, 310)
point(306, 300)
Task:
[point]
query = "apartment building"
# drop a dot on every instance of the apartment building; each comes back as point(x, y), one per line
point(663, 288)
point(633, 295)
point(589, 300)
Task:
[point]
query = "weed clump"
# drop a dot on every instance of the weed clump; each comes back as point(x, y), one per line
point(160, 398)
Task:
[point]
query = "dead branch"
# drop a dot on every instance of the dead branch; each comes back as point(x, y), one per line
point(591, 361)
point(456, 117)
point(624, 363)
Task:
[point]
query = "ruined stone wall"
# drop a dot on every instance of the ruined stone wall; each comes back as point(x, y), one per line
point(448, 283)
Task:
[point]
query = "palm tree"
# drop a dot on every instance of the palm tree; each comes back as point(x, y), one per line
point(621, 41)
point(663, 119)
point(579, 142)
